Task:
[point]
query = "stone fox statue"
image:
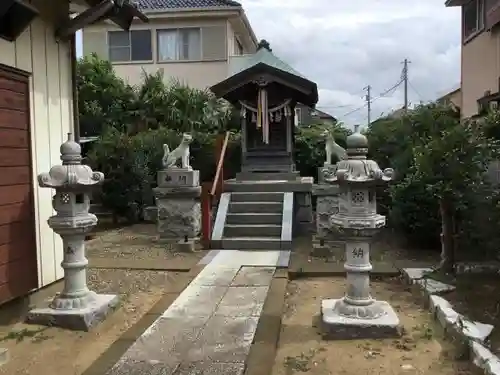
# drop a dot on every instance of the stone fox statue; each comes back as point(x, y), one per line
point(333, 148)
point(170, 158)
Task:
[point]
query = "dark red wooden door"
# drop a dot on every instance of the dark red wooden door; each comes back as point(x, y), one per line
point(18, 260)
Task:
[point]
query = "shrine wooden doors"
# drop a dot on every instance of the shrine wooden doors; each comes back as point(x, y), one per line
point(277, 136)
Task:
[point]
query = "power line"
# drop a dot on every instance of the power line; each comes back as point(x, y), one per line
point(414, 89)
point(335, 106)
point(344, 105)
point(383, 94)
point(353, 111)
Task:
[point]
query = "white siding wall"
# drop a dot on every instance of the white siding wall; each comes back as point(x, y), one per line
point(37, 51)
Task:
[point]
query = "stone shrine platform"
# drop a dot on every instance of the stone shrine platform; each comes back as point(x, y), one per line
point(211, 325)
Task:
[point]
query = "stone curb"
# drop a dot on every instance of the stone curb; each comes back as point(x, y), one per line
point(4, 356)
point(471, 336)
point(260, 360)
point(335, 269)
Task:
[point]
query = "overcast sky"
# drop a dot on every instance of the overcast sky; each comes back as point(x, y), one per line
point(345, 45)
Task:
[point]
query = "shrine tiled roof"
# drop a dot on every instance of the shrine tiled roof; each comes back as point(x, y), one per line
point(243, 70)
point(238, 64)
point(146, 5)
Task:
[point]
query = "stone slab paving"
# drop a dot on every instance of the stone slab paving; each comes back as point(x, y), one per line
point(278, 258)
point(209, 328)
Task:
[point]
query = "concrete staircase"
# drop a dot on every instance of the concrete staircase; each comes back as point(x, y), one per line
point(255, 213)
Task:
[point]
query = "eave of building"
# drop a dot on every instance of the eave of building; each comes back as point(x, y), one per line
point(235, 15)
point(455, 3)
point(225, 11)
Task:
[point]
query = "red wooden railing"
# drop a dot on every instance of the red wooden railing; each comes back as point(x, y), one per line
point(213, 190)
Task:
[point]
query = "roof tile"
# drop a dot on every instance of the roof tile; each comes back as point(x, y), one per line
point(176, 4)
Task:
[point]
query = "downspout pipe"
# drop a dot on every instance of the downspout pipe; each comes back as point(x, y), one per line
point(76, 114)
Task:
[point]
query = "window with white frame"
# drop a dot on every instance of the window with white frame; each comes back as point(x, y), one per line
point(134, 45)
point(179, 44)
point(473, 16)
point(298, 113)
point(238, 47)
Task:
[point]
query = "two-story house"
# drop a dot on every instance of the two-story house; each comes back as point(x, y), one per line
point(480, 57)
point(188, 40)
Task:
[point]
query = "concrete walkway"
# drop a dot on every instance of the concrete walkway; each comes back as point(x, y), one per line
point(209, 328)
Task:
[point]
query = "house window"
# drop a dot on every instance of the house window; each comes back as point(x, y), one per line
point(179, 44)
point(238, 48)
point(132, 45)
point(473, 18)
point(298, 113)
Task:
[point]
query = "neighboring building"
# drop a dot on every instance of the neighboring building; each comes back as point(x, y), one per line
point(36, 114)
point(453, 97)
point(307, 116)
point(480, 77)
point(188, 40)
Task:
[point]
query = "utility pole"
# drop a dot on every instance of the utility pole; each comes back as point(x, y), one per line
point(404, 78)
point(368, 99)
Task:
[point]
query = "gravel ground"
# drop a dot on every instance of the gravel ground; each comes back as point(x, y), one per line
point(127, 282)
point(134, 242)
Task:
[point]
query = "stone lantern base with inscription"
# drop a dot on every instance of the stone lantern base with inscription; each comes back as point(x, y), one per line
point(357, 315)
point(178, 201)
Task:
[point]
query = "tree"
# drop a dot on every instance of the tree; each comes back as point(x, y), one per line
point(450, 158)
point(178, 106)
point(103, 99)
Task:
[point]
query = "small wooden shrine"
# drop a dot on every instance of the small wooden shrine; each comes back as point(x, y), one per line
point(266, 91)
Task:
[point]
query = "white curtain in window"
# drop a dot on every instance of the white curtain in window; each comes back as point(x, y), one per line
point(193, 44)
point(167, 45)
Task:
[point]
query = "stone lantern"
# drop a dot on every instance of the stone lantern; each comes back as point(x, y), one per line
point(357, 314)
point(76, 307)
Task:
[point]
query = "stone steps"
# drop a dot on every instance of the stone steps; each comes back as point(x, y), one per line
point(252, 218)
point(257, 197)
point(257, 213)
point(253, 221)
point(266, 186)
point(267, 176)
point(256, 207)
point(254, 243)
point(252, 230)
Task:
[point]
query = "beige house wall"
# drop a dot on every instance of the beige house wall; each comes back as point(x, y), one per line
point(38, 52)
point(453, 97)
point(480, 70)
point(456, 98)
point(199, 74)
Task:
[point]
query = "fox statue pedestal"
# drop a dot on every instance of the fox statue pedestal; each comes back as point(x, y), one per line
point(179, 207)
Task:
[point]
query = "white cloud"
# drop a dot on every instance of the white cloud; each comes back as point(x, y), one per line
point(346, 45)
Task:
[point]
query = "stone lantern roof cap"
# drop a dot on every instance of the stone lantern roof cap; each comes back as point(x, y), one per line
point(357, 144)
point(71, 152)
